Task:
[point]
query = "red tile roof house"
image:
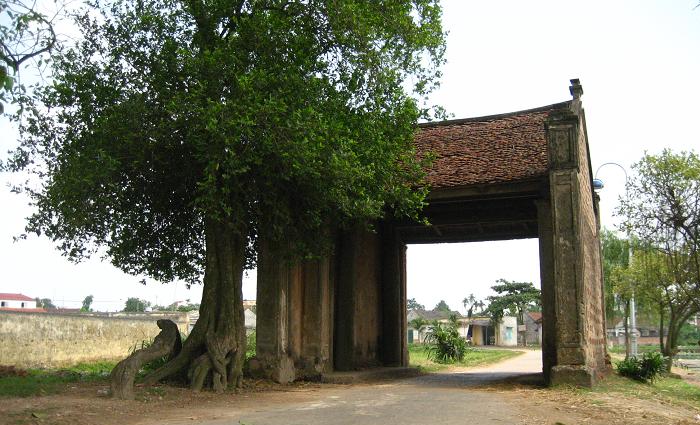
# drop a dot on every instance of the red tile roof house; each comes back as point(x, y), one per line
point(19, 302)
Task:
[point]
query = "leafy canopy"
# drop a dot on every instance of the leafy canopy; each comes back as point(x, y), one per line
point(25, 35)
point(442, 306)
point(412, 304)
point(280, 118)
point(136, 305)
point(515, 297)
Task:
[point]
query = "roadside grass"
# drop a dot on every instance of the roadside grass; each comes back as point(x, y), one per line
point(34, 382)
point(418, 357)
point(668, 390)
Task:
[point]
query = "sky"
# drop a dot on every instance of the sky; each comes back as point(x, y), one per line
point(638, 63)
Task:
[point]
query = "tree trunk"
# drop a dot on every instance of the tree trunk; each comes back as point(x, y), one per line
point(214, 352)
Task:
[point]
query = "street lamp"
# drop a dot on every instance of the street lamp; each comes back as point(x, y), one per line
point(597, 185)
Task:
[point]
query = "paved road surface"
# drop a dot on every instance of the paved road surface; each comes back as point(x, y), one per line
point(443, 398)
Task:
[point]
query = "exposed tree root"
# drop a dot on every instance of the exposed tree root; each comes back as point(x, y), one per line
point(166, 343)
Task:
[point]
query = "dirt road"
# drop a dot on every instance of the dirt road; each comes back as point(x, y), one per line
point(509, 392)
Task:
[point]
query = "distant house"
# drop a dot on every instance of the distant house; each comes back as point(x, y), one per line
point(477, 330)
point(647, 332)
point(249, 317)
point(533, 328)
point(19, 302)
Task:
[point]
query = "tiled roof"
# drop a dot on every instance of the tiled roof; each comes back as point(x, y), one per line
point(436, 314)
point(535, 315)
point(493, 149)
point(15, 297)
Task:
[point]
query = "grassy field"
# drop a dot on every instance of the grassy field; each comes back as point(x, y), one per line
point(475, 357)
point(32, 382)
point(667, 390)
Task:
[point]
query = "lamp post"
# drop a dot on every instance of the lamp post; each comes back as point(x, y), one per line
point(598, 184)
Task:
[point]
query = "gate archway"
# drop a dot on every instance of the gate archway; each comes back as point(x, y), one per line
point(524, 174)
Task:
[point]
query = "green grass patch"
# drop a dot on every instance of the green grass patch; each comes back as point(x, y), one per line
point(418, 357)
point(51, 381)
point(667, 389)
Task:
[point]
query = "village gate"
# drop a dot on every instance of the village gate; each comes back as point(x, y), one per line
point(525, 174)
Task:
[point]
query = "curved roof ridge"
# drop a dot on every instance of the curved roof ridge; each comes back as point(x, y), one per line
point(458, 121)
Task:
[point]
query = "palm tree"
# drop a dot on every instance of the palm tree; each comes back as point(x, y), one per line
point(419, 324)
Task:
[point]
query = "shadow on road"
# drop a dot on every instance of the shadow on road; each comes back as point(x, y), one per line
point(480, 379)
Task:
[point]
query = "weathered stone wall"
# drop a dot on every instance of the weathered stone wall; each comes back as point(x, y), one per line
point(52, 340)
point(593, 303)
point(358, 306)
point(578, 300)
point(295, 317)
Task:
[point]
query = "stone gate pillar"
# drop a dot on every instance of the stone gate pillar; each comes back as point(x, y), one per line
point(394, 347)
point(579, 335)
point(294, 317)
point(549, 322)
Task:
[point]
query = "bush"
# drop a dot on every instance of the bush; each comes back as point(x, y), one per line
point(250, 348)
point(643, 369)
point(444, 345)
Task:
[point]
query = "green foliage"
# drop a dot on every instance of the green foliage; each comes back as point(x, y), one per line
point(646, 368)
point(135, 305)
point(281, 119)
point(45, 303)
point(661, 209)
point(250, 349)
point(444, 345)
point(515, 297)
point(87, 303)
point(418, 323)
point(618, 288)
point(412, 304)
point(688, 335)
point(25, 35)
point(442, 306)
point(472, 305)
point(418, 357)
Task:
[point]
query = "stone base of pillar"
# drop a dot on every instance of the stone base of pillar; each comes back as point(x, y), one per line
point(278, 369)
point(578, 376)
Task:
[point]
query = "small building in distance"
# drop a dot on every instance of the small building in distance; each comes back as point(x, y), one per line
point(533, 328)
point(478, 330)
point(19, 302)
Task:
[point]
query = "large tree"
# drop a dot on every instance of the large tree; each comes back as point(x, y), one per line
point(179, 135)
point(661, 209)
point(619, 285)
point(515, 297)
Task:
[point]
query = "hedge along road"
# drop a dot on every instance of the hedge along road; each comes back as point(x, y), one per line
point(453, 397)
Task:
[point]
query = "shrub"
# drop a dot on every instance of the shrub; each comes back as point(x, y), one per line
point(250, 348)
point(444, 345)
point(643, 369)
